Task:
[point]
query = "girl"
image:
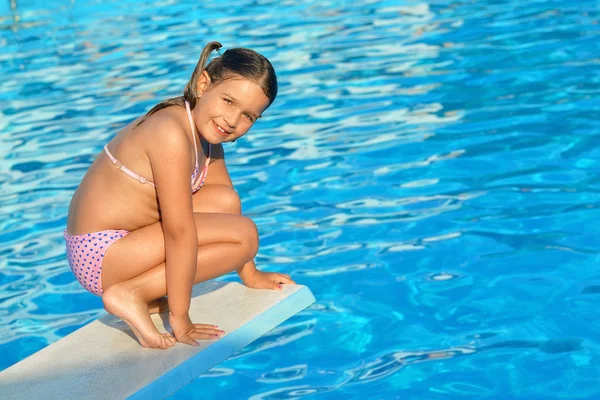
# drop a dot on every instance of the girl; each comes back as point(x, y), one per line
point(139, 227)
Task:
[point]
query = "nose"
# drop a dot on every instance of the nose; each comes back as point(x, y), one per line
point(232, 120)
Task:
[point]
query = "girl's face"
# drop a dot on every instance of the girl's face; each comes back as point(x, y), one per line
point(226, 111)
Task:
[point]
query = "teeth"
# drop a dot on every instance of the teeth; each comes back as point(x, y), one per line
point(219, 128)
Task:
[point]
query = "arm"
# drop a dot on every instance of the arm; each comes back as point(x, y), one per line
point(171, 163)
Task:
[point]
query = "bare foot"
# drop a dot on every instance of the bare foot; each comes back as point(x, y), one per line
point(120, 302)
point(159, 305)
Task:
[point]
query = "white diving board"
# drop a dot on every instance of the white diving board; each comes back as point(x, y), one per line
point(103, 360)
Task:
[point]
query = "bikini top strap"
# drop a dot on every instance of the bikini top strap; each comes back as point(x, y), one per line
point(208, 158)
point(193, 127)
point(126, 170)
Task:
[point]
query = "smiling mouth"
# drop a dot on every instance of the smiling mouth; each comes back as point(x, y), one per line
point(220, 130)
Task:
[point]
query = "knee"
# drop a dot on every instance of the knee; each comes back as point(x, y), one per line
point(230, 201)
point(249, 236)
point(225, 199)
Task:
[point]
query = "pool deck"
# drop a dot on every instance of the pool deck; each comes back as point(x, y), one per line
point(103, 360)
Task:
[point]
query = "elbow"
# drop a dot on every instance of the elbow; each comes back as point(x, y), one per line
point(179, 231)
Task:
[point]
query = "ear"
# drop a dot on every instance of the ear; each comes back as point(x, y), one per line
point(203, 83)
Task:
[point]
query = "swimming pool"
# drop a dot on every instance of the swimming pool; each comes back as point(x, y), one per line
point(429, 170)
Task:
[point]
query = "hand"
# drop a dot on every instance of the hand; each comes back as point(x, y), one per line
point(187, 332)
point(267, 280)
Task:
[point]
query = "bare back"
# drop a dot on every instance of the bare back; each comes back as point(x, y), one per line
point(109, 199)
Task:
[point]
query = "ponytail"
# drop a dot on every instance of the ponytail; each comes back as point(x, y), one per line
point(190, 93)
point(240, 62)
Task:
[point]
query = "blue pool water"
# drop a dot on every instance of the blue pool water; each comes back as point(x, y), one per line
point(430, 170)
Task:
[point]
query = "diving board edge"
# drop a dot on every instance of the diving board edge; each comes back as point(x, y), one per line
point(228, 345)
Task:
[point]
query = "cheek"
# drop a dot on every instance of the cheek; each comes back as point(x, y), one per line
point(244, 127)
point(204, 109)
point(211, 106)
point(215, 107)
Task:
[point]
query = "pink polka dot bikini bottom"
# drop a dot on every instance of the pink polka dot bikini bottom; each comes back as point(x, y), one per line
point(85, 253)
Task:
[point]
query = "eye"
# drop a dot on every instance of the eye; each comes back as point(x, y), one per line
point(228, 101)
point(249, 117)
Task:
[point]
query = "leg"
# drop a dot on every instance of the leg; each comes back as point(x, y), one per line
point(219, 199)
point(133, 271)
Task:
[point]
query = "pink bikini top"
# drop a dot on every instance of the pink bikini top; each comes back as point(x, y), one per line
point(141, 179)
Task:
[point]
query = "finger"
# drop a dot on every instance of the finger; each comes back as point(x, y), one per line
point(285, 279)
point(206, 326)
point(167, 344)
point(209, 331)
point(169, 339)
point(187, 339)
point(205, 336)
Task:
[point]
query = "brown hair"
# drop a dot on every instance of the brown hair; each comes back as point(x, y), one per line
point(238, 61)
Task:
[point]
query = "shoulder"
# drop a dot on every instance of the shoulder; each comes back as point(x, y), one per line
point(164, 134)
